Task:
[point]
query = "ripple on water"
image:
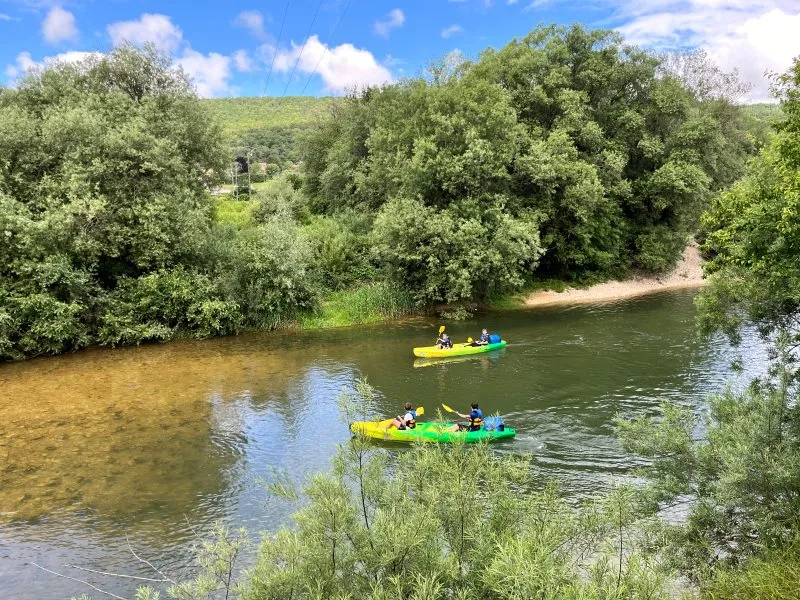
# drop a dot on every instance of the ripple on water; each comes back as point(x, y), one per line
point(160, 442)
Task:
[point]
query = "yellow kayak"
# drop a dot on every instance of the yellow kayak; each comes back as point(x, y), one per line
point(456, 350)
point(428, 432)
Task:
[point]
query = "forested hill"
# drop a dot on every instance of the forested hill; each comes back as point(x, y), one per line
point(271, 127)
point(267, 128)
point(239, 115)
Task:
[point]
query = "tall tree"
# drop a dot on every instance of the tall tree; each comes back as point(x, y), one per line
point(103, 168)
point(754, 234)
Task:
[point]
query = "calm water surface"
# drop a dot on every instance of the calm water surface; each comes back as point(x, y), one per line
point(155, 444)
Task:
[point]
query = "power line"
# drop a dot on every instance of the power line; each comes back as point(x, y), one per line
point(325, 50)
point(319, 5)
point(274, 54)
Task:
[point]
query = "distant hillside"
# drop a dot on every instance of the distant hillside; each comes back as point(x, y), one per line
point(272, 127)
point(765, 112)
point(240, 115)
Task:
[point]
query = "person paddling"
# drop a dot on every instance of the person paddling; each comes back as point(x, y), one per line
point(408, 420)
point(475, 419)
point(443, 341)
point(484, 339)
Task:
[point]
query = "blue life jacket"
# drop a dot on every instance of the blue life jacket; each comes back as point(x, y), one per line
point(484, 337)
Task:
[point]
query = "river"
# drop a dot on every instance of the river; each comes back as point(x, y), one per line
point(152, 445)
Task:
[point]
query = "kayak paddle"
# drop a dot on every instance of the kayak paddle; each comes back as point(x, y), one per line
point(448, 409)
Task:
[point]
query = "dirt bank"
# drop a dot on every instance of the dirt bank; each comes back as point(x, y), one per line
point(688, 274)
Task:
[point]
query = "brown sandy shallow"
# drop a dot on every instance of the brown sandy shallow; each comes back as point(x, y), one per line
point(688, 274)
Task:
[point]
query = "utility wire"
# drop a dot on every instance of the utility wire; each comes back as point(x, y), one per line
point(319, 5)
point(325, 51)
point(274, 54)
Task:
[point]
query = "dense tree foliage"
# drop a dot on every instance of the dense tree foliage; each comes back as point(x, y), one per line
point(564, 154)
point(566, 145)
point(754, 233)
point(106, 221)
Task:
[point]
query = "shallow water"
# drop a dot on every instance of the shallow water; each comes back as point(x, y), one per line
point(152, 445)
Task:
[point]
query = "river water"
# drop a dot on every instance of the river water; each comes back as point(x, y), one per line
point(151, 446)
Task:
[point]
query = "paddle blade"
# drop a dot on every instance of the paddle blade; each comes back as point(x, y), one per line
point(447, 408)
point(469, 340)
point(441, 329)
point(420, 411)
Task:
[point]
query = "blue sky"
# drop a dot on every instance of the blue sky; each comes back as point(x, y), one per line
point(328, 46)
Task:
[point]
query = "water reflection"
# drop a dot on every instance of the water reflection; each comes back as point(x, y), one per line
point(159, 442)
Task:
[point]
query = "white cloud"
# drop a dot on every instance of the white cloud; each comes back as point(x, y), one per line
point(253, 21)
point(341, 68)
point(392, 61)
point(511, 1)
point(752, 36)
point(153, 28)
point(242, 61)
point(59, 26)
point(24, 63)
point(5, 17)
point(449, 32)
point(210, 72)
point(394, 19)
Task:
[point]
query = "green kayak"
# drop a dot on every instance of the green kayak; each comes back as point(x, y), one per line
point(429, 432)
point(456, 350)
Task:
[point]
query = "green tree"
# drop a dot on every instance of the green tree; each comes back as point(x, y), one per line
point(736, 467)
point(612, 156)
point(753, 233)
point(105, 218)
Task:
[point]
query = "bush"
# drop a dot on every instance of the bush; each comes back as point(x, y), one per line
point(457, 253)
point(659, 248)
point(269, 274)
point(340, 255)
point(281, 200)
point(158, 305)
point(775, 575)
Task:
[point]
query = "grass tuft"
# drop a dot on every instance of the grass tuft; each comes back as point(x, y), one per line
point(371, 303)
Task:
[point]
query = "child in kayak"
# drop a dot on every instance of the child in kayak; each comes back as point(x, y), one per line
point(484, 339)
point(407, 420)
point(444, 341)
point(475, 417)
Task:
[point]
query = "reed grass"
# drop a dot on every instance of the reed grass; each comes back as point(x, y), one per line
point(374, 302)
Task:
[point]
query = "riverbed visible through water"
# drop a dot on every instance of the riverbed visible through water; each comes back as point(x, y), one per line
point(151, 446)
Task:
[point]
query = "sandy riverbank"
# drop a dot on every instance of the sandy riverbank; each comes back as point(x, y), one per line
point(688, 274)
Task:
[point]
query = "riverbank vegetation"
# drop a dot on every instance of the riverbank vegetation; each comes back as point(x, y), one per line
point(565, 155)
